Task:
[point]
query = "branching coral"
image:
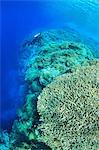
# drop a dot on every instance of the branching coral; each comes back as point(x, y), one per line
point(69, 109)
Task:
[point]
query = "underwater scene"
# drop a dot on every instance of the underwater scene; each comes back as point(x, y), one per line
point(49, 75)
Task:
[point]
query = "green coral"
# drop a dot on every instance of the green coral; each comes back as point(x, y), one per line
point(48, 74)
point(56, 59)
point(23, 128)
point(69, 110)
point(4, 140)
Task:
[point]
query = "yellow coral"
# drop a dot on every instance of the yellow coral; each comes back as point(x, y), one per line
point(69, 111)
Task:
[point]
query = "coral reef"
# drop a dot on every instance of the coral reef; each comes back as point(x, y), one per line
point(29, 48)
point(69, 110)
point(4, 140)
point(43, 58)
point(54, 60)
point(23, 130)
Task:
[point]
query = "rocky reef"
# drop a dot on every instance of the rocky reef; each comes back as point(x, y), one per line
point(44, 57)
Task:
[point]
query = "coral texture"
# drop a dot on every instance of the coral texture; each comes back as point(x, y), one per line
point(4, 140)
point(43, 58)
point(54, 59)
point(69, 110)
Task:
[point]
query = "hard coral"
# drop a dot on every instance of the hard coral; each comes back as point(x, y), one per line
point(56, 59)
point(51, 54)
point(69, 111)
point(4, 140)
point(22, 130)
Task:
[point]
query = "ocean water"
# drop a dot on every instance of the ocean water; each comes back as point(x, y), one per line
point(18, 20)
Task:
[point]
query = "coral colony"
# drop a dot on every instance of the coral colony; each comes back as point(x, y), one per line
point(61, 78)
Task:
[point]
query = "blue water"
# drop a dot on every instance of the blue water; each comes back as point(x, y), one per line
point(18, 19)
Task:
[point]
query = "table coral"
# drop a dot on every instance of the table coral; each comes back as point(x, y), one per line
point(69, 110)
